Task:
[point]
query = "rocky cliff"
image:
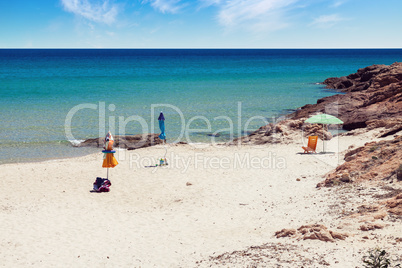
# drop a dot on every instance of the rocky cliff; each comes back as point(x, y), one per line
point(371, 97)
point(372, 93)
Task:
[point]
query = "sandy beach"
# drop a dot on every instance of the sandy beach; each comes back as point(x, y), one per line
point(280, 124)
point(216, 206)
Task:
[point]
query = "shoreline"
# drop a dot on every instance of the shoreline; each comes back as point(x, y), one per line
point(76, 143)
point(188, 213)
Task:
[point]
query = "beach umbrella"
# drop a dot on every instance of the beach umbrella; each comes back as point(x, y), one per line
point(162, 136)
point(161, 120)
point(108, 158)
point(324, 119)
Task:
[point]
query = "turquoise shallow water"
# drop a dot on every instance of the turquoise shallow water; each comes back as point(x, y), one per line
point(117, 90)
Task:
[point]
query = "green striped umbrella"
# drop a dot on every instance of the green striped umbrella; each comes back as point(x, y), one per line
point(323, 119)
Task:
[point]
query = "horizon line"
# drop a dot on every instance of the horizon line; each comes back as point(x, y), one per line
point(199, 48)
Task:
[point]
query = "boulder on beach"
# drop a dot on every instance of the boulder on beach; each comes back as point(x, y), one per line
point(130, 142)
point(313, 232)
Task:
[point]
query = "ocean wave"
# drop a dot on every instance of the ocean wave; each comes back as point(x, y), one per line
point(76, 143)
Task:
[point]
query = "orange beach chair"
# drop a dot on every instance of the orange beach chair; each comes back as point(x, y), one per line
point(311, 145)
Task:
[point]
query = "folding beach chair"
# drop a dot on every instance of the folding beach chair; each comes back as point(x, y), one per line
point(311, 145)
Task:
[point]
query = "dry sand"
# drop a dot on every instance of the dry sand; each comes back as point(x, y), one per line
point(207, 202)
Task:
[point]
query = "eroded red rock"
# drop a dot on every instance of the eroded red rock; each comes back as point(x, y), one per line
point(371, 97)
point(394, 205)
point(372, 93)
point(312, 231)
point(373, 161)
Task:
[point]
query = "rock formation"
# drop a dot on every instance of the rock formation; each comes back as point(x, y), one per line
point(374, 161)
point(312, 231)
point(371, 97)
point(372, 93)
point(285, 131)
point(129, 142)
point(371, 226)
point(394, 205)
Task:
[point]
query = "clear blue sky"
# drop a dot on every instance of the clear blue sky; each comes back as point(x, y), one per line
point(200, 24)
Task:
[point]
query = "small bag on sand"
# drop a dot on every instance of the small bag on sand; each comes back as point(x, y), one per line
point(102, 185)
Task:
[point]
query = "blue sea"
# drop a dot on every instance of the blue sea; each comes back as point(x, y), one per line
point(52, 98)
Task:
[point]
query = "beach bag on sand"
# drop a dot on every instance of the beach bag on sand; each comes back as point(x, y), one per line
point(102, 185)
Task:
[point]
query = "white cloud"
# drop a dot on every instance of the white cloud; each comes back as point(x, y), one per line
point(101, 12)
point(338, 3)
point(166, 6)
point(327, 21)
point(256, 15)
point(207, 3)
